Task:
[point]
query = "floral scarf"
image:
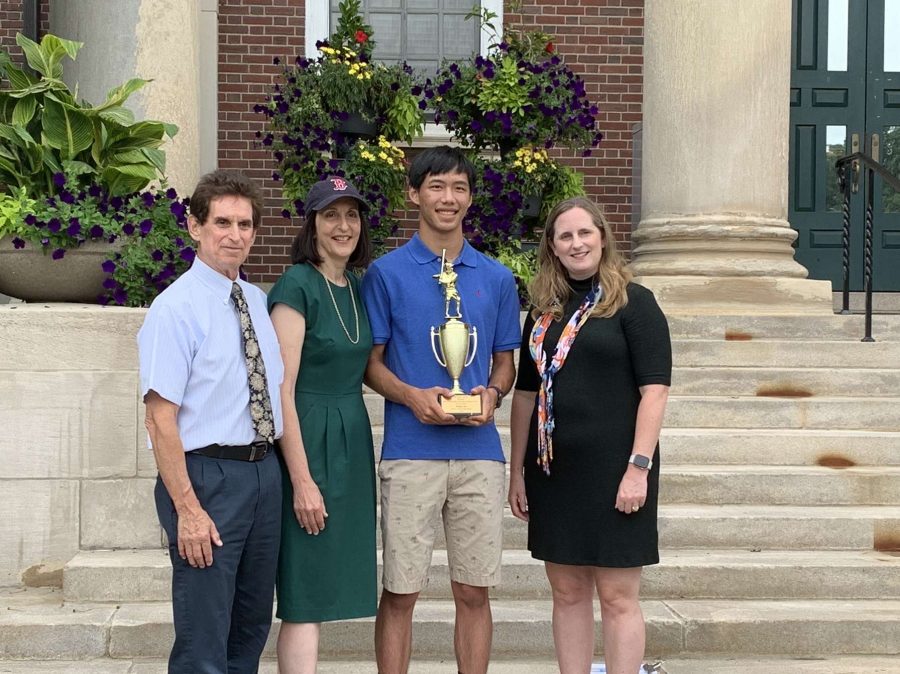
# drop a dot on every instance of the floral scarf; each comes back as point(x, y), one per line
point(546, 422)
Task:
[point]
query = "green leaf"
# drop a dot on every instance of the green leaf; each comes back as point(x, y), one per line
point(118, 95)
point(117, 115)
point(77, 168)
point(24, 111)
point(155, 157)
point(18, 78)
point(127, 178)
point(66, 128)
point(47, 57)
point(171, 129)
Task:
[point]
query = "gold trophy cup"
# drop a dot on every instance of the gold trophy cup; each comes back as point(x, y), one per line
point(458, 343)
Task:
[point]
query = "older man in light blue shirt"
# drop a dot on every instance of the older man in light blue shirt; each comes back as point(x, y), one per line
point(210, 374)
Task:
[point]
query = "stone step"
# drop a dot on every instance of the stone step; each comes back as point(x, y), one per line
point(784, 353)
point(779, 485)
point(683, 411)
point(38, 625)
point(762, 446)
point(823, 413)
point(784, 447)
point(772, 527)
point(786, 381)
point(134, 576)
point(885, 328)
point(700, 526)
point(857, 664)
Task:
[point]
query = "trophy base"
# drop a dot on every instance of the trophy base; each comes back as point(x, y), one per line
point(461, 405)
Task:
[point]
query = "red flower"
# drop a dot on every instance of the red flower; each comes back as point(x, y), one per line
point(550, 48)
point(361, 37)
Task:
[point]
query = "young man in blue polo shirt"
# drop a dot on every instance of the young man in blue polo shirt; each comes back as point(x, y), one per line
point(433, 465)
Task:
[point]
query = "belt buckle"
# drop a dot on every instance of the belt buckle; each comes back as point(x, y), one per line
point(258, 450)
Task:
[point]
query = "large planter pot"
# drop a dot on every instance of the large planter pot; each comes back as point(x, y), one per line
point(32, 275)
point(354, 128)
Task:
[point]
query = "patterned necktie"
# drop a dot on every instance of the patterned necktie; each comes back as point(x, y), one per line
point(260, 404)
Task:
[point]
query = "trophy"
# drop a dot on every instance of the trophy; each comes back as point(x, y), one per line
point(455, 339)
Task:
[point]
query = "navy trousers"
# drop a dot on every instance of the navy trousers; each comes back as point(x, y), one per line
point(223, 612)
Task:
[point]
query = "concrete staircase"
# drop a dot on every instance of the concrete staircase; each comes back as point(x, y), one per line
point(779, 523)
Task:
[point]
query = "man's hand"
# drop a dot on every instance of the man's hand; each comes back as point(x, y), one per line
point(197, 534)
point(309, 507)
point(425, 405)
point(488, 405)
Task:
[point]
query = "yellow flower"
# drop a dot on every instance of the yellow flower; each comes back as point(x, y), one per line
point(382, 155)
point(360, 77)
point(390, 161)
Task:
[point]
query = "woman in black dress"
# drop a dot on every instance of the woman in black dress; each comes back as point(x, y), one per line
point(593, 381)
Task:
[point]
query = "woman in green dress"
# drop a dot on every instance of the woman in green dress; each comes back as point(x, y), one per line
point(326, 568)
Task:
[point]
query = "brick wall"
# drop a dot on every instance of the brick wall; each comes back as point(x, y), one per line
point(251, 34)
point(602, 40)
point(11, 23)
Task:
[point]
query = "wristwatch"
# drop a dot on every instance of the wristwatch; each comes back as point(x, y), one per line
point(641, 461)
point(499, 393)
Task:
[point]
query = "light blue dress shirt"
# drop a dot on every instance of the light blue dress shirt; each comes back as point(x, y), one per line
point(191, 354)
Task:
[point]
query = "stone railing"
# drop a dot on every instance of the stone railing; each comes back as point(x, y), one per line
point(75, 471)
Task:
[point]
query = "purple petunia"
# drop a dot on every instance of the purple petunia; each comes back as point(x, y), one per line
point(74, 228)
point(148, 199)
point(18, 243)
point(96, 232)
point(178, 209)
point(54, 225)
point(128, 229)
point(59, 179)
point(108, 266)
point(58, 254)
point(157, 255)
point(187, 254)
point(146, 226)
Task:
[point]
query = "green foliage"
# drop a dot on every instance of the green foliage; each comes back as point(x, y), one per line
point(13, 207)
point(522, 262)
point(308, 107)
point(44, 129)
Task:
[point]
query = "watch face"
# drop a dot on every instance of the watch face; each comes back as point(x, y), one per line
point(640, 461)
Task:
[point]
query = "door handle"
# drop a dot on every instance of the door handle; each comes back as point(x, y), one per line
point(876, 147)
point(854, 178)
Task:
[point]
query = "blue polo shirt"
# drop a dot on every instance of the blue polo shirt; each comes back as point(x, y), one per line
point(404, 300)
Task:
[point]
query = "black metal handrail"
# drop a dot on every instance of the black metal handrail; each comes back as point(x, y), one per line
point(850, 185)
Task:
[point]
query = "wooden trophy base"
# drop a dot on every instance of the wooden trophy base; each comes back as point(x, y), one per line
point(462, 405)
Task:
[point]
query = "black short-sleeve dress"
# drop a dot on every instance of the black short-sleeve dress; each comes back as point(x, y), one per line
point(572, 515)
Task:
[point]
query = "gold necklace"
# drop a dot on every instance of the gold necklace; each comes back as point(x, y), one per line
point(338, 311)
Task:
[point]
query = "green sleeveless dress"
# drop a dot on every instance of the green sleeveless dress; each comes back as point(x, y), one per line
point(330, 576)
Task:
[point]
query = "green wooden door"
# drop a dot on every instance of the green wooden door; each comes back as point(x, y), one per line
point(845, 92)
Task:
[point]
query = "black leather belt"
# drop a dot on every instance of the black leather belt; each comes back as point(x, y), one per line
point(253, 452)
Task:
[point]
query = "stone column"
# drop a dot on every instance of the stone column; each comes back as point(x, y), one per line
point(713, 234)
point(152, 39)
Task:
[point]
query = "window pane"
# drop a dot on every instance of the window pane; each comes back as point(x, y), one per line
point(835, 148)
point(463, 6)
point(890, 159)
point(387, 29)
point(460, 39)
point(423, 4)
point(891, 37)
point(422, 35)
point(838, 12)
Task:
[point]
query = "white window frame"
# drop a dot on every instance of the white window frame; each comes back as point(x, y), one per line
point(318, 15)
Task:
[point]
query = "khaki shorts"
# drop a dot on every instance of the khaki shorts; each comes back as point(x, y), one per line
point(415, 495)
